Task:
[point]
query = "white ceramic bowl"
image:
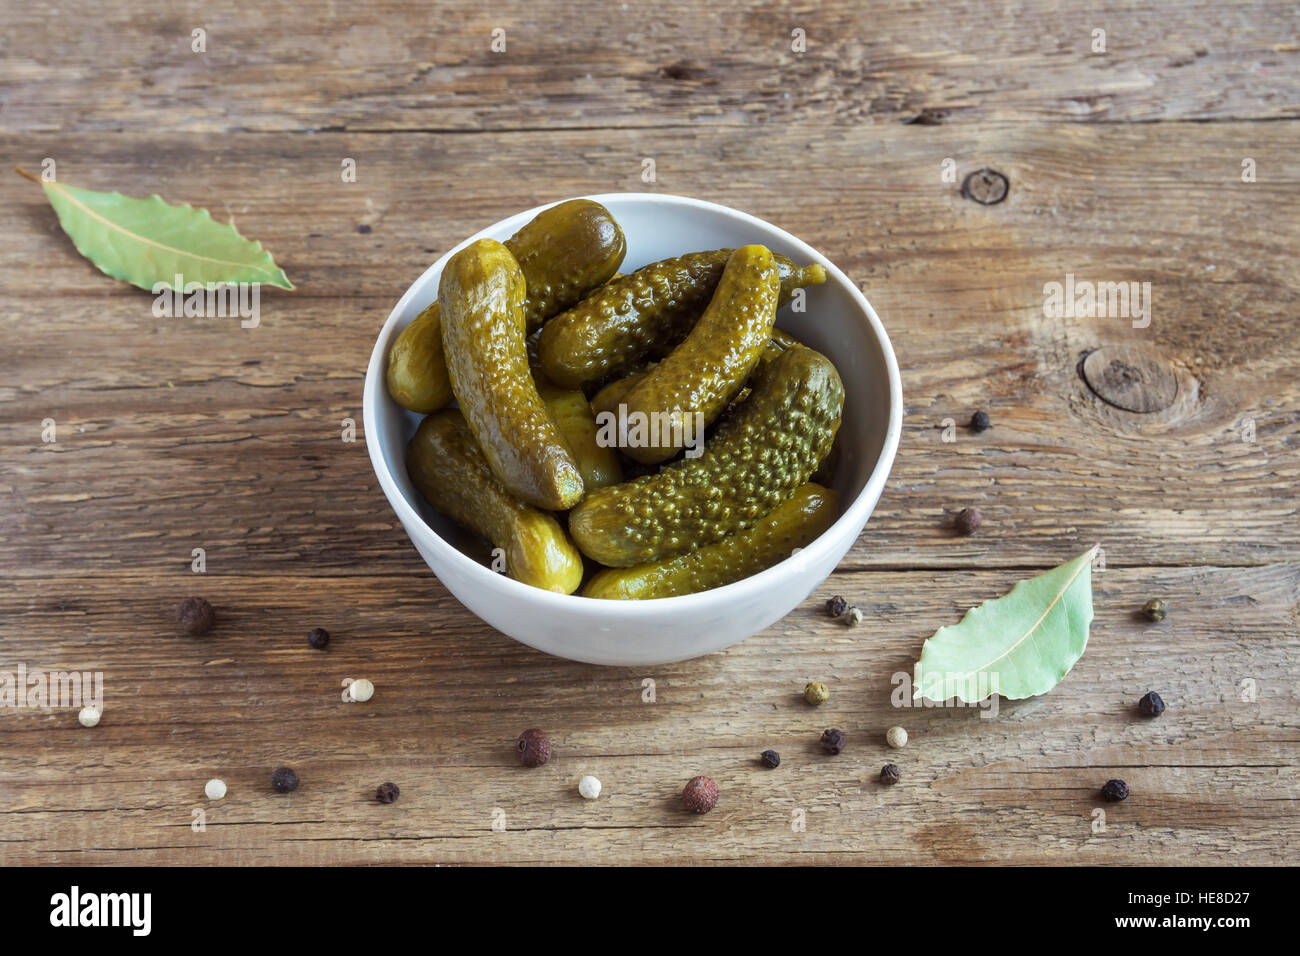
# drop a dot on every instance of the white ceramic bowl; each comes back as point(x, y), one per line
point(838, 321)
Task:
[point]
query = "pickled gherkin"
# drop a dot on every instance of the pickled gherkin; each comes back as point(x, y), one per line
point(754, 460)
point(792, 524)
point(644, 316)
point(483, 336)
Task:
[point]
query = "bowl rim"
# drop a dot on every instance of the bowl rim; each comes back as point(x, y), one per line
point(856, 512)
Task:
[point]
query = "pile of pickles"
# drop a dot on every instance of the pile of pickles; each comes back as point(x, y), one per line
point(633, 436)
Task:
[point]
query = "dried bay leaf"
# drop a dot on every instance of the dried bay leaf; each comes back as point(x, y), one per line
point(148, 242)
point(1019, 645)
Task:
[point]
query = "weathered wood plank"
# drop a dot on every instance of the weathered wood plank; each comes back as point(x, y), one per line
point(1214, 780)
point(318, 65)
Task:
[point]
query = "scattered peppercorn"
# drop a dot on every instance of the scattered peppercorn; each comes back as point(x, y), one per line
point(533, 748)
point(88, 716)
point(1115, 790)
point(836, 606)
point(214, 789)
point(770, 759)
point(195, 616)
point(284, 780)
point(318, 638)
point(980, 421)
point(816, 693)
point(852, 617)
point(360, 691)
point(968, 520)
point(1155, 610)
point(833, 741)
point(387, 792)
point(589, 788)
point(1151, 705)
point(896, 737)
point(889, 774)
point(700, 795)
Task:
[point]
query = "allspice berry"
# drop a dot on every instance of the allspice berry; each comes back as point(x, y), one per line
point(284, 780)
point(968, 521)
point(195, 616)
point(816, 693)
point(889, 774)
point(1155, 610)
point(533, 748)
point(700, 795)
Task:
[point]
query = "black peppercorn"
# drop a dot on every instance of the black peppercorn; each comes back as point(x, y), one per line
point(1151, 705)
point(836, 606)
point(1155, 610)
point(1115, 790)
point(889, 774)
point(770, 759)
point(533, 748)
point(195, 616)
point(980, 421)
point(833, 741)
point(318, 638)
point(284, 780)
point(387, 792)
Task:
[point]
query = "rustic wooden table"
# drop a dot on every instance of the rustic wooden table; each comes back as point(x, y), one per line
point(1162, 150)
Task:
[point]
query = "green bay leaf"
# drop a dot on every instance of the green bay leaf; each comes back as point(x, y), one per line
point(1019, 645)
point(148, 242)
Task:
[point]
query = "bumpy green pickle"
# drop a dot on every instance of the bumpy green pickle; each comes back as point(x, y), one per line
point(754, 460)
point(446, 465)
point(792, 524)
point(564, 252)
point(691, 387)
point(483, 336)
point(644, 316)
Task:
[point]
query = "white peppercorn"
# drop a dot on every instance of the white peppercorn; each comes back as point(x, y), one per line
point(361, 691)
point(88, 716)
point(589, 788)
point(214, 789)
point(896, 737)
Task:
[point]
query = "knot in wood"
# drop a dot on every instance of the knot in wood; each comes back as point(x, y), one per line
point(1131, 379)
point(988, 187)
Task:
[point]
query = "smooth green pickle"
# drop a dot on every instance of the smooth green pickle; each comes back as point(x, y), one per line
point(692, 386)
point(572, 414)
point(754, 460)
point(644, 316)
point(417, 372)
point(446, 465)
point(484, 332)
point(792, 524)
point(564, 252)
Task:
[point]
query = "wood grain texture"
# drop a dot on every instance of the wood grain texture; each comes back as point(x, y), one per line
point(320, 65)
point(182, 433)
